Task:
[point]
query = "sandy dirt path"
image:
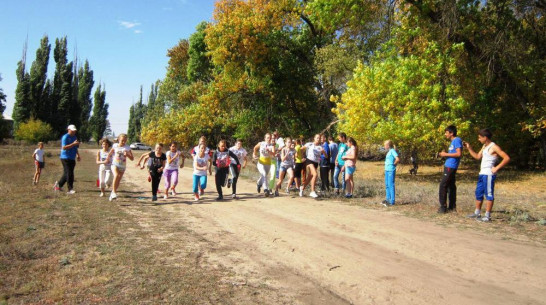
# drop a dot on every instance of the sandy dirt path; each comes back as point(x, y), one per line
point(326, 252)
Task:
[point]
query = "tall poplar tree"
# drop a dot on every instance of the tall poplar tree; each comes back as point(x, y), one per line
point(99, 120)
point(21, 109)
point(136, 117)
point(85, 86)
point(38, 77)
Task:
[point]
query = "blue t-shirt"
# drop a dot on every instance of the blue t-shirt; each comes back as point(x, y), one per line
point(333, 152)
point(325, 161)
point(70, 153)
point(450, 161)
point(389, 160)
point(341, 151)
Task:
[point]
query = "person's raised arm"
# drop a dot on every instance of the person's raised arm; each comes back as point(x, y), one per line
point(475, 155)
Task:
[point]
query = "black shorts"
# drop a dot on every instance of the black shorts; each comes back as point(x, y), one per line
point(39, 164)
point(297, 170)
point(309, 162)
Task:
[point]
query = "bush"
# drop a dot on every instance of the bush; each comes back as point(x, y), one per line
point(34, 131)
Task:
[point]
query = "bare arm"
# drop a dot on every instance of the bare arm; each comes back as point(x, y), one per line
point(456, 154)
point(503, 155)
point(475, 155)
point(255, 151)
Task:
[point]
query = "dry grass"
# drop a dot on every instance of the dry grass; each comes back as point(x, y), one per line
point(56, 248)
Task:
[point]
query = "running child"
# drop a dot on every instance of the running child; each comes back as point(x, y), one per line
point(350, 166)
point(313, 151)
point(234, 170)
point(200, 165)
point(265, 153)
point(276, 154)
point(221, 160)
point(195, 150)
point(287, 165)
point(39, 162)
point(120, 152)
point(175, 159)
point(391, 160)
point(105, 165)
point(489, 154)
point(157, 163)
point(298, 163)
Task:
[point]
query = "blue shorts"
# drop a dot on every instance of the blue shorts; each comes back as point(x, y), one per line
point(486, 187)
point(350, 169)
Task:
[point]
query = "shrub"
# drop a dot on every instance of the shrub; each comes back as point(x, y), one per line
point(34, 131)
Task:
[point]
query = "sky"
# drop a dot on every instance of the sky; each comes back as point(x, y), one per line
point(125, 42)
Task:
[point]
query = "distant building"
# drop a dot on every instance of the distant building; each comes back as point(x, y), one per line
point(6, 127)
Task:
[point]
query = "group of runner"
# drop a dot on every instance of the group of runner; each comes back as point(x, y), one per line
point(277, 159)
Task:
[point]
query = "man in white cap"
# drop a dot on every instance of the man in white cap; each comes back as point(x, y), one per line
point(69, 153)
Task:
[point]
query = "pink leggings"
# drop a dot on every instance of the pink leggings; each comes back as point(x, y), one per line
point(171, 177)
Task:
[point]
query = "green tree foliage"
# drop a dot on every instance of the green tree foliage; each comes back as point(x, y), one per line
point(85, 86)
point(22, 107)
point(199, 67)
point(98, 123)
point(136, 118)
point(34, 131)
point(38, 74)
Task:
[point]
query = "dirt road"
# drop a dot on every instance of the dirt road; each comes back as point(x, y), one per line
point(325, 252)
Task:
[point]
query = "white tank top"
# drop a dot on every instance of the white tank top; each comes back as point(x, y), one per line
point(104, 156)
point(488, 160)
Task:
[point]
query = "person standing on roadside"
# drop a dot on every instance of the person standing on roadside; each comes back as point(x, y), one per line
point(453, 157)
point(489, 154)
point(340, 164)
point(333, 156)
point(69, 154)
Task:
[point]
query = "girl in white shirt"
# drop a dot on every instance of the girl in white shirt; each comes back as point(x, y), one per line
point(39, 162)
point(120, 152)
point(104, 159)
point(313, 151)
point(175, 159)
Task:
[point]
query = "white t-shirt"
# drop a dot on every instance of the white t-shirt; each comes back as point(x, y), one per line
point(313, 152)
point(240, 153)
point(39, 155)
point(175, 162)
point(104, 156)
point(201, 162)
point(289, 161)
point(119, 157)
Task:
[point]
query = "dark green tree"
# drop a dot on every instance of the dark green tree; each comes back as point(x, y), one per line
point(199, 64)
point(98, 123)
point(38, 76)
point(136, 117)
point(85, 86)
point(22, 107)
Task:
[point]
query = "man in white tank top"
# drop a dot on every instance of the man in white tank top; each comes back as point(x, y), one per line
point(489, 154)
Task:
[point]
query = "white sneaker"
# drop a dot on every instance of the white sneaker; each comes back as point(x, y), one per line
point(233, 196)
point(173, 193)
point(165, 197)
point(101, 194)
point(301, 191)
point(113, 196)
point(313, 194)
point(71, 192)
point(196, 198)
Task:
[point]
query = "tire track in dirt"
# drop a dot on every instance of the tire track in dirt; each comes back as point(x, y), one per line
point(325, 252)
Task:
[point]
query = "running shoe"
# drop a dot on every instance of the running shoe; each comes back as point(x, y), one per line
point(101, 194)
point(313, 194)
point(228, 183)
point(301, 191)
point(287, 190)
point(350, 196)
point(71, 192)
point(154, 198)
point(484, 219)
point(473, 215)
point(258, 187)
point(149, 178)
point(173, 192)
point(165, 197)
point(233, 196)
point(276, 193)
point(113, 196)
point(266, 193)
point(219, 198)
point(56, 186)
point(196, 197)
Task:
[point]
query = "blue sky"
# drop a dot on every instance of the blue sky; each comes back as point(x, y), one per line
point(125, 41)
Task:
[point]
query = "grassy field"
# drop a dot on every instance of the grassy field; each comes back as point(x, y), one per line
point(56, 248)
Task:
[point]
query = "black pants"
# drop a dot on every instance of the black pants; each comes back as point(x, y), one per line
point(68, 173)
point(324, 178)
point(220, 179)
point(448, 186)
point(332, 169)
point(156, 178)
point(234, 178)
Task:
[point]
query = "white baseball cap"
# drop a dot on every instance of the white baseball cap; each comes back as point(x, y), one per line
point(71, 127)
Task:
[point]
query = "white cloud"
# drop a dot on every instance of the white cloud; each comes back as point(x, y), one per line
point(128, 24)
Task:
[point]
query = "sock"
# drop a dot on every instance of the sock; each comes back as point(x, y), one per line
point(488, 214)
point(477, 212)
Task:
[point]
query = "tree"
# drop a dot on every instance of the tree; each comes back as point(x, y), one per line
point(136, 117)
point(22, 107)
point(199, 66)
point(85, 86)
point(98, 123)
point(38, 75)
point(34, 131)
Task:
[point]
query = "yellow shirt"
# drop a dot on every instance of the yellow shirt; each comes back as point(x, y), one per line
point(299, 154)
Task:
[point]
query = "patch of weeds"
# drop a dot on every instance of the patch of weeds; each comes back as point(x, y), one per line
point(541, 222)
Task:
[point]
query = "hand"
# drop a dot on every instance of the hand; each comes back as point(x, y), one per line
point(75, 143)
point(159, 170)
point(466, 145)
point(79, 159)
point(125, 153)
point(442, 154)
point(494, 170)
